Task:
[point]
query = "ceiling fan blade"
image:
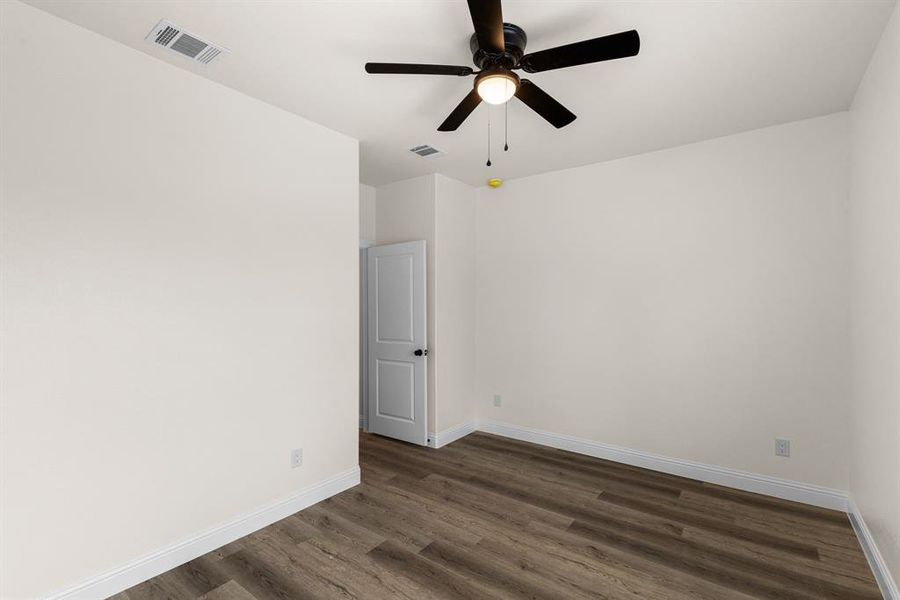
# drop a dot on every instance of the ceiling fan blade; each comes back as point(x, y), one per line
point(462, 110)
point(414, 69)
point(543, 104)
point(487, 17)
point(609, 47)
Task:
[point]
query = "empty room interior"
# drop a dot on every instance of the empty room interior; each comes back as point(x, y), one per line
point(446, 300)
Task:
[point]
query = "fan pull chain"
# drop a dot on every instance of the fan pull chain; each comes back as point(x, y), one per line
point(506, 127)
point(489, 136)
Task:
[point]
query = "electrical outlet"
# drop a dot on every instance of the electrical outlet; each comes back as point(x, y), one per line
point(783, 448)
point(296, 458)
point(498, 400)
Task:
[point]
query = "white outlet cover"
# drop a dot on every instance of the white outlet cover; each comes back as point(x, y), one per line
point(296, 458)
point(783, 448)
point(498, 400)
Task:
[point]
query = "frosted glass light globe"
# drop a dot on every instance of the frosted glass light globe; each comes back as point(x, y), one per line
point(497, 89)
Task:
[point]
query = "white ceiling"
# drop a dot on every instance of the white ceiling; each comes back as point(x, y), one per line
point(705, 69)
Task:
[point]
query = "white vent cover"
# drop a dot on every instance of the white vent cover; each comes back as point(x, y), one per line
point(177, 39)
point(426, 151)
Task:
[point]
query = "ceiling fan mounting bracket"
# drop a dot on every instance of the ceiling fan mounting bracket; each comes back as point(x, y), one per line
point(515, 41)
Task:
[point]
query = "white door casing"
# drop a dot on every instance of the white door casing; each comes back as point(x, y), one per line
point(397, 344)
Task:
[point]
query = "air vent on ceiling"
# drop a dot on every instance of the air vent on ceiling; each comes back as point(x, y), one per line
point(426, 151)
point(177, 39)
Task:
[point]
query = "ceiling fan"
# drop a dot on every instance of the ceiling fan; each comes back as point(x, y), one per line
point(498, 49)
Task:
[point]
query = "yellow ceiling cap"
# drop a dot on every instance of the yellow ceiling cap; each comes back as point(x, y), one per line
point(495, 183)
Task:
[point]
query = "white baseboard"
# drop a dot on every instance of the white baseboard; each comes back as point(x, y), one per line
point(742, 480)
point(442, 438)
point(151, 565)
point(879, 567)
point(364, 423)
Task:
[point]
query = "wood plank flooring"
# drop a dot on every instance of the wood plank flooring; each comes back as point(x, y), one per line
point(487, 517)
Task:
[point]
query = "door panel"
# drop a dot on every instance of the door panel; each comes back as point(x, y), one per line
point(396, 319)
point(395, 298)
point(396, 397)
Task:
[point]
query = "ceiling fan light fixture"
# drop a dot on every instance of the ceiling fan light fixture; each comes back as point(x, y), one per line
point(498, 48)
point(496, 87)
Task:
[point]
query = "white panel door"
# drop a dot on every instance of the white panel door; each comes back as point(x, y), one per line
point(397, 344)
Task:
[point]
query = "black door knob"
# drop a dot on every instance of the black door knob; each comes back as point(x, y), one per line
point(421, 352)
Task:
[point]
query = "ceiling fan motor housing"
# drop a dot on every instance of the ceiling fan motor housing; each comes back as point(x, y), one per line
point(514, 39)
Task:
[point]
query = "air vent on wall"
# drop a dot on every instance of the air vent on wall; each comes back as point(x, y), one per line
point(177, 39)
point(426, 151)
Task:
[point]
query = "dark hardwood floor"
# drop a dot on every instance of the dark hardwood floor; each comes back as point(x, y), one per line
point(488, 517)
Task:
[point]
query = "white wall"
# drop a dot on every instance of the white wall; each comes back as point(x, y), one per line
point(179, 292)
point(366, 213)
point(454, 349)
point(690, 302)
point(875, 307)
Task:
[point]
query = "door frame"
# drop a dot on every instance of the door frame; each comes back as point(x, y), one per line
point(364, 246)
